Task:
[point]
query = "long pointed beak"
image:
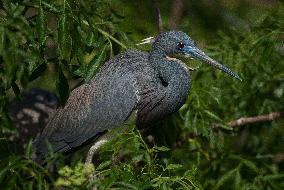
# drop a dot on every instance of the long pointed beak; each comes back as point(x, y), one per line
point(194, 52)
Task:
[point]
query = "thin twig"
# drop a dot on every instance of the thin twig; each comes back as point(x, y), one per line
point(158, 16)
point(257, 119)
point(176, 14)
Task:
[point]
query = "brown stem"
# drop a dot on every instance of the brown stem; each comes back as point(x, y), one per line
point(257, 119)
point(176, 14)
point(158, 16)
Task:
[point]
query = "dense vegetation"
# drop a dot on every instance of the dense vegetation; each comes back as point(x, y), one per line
point(56, 45)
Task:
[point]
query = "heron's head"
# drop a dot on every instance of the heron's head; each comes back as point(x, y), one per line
point(176, 43)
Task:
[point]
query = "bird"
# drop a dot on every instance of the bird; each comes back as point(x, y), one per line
point(155, 84)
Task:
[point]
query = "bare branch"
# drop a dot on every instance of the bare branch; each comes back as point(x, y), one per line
point(176, 14)
point(278, 158)
point(257, 119)
point(158, 16)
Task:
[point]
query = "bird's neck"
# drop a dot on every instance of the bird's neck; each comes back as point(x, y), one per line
point(169, 68)
point(174, 73)
point(171, 84)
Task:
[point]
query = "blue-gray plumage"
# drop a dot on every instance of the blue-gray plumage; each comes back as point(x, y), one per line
point(155, 84)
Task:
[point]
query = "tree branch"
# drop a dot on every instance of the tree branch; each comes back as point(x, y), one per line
point(158, 16)
point(237, 123)
point(176, 14)
point(257, 119)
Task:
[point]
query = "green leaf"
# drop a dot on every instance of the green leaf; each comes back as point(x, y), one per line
point(250, 165)
point(212, 115)
point(90, 39)
point(18, 10)
point(95, 64)
point(28, 149)
point(2, 38)
point(124, 185)
point(62, 86)
point(194, 182)
point(81, 71)
point(273, 177)
point(50, 7)
point(246, 162)
point(41, 25)
point(63, 34)
point(11, 181)
point(107, 35)
point(173, 166)
point(225, 127)
point(15, 88)
point(7, 165)
point(38, 71)
point(104, 165)
point(161, 148)
point(238, 178)
point(225, 178)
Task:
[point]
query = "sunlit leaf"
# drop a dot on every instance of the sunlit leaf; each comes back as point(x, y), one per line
point(173, 166)
point(95, 65)
point(162, 148)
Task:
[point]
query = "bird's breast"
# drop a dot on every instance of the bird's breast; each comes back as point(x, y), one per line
point(162, 94)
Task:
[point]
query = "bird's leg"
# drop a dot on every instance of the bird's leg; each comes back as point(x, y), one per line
point(111, 135)
point(94, 149)
point(107, 137)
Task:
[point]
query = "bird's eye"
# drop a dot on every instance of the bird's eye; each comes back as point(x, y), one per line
point(180, 45)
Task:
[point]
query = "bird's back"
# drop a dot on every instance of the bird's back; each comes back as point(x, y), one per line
point(104, 103)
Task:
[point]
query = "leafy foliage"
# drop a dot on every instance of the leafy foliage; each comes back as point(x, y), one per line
point(59, 44)
point(133, 166)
